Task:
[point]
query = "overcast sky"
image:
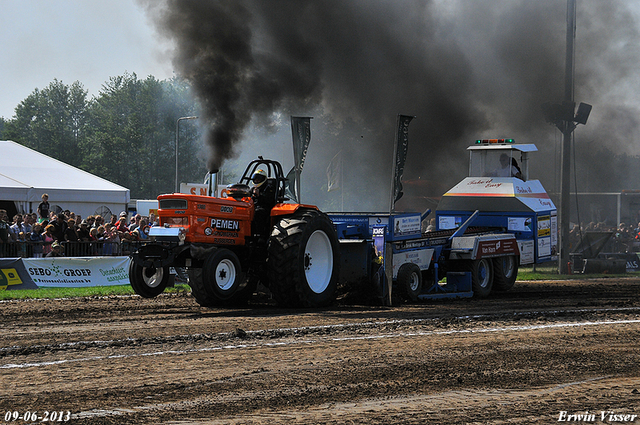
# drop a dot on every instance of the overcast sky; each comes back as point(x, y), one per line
point(74, 40)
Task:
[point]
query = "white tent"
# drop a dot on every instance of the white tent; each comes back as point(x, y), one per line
point(26, 174)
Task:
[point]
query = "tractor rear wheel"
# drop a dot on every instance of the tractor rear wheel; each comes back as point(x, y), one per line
point(505, 272)
point(303, 260)
point(148, 282)
point(197, 288)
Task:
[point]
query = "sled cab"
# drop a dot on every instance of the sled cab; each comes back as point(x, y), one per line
point(499, 186)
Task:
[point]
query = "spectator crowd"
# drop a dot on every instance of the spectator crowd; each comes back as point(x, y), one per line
point(50, 234)
point(625, 238)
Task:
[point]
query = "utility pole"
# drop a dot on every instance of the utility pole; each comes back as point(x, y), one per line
point(567, 130)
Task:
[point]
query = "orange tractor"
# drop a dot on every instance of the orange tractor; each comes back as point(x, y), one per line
point(229, 244)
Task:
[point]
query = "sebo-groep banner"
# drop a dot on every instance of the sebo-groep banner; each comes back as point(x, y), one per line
point(64, 272)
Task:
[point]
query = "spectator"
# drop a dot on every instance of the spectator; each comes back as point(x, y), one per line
point(98, 221)
point(91, 220)
point(143, 231)
point(83, 232)
point(70, 234)
point(59, 227)
point(47, 239)
point(23, 252)
point(28, 224)
point(574, 237)
point(17, 227)
point(135, 222)
point(113, 219)
point(57, 250)
point(43, 208)
point(36, 240)
point(121, 225)
point(4, 233)
point(110, 239)
point(93, 238)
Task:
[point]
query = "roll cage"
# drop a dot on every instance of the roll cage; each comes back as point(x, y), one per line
point(275, 176)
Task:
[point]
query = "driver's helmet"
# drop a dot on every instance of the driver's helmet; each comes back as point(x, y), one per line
point(259, 177)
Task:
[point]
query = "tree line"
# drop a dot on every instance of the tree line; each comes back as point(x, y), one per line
point(125, 134)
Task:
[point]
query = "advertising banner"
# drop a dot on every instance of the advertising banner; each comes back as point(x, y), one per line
point(380, 275)
point(13, 275)
point(61, 272)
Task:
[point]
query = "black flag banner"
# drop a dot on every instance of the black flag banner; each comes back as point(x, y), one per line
point(301, 129)
point(301, 132)
point(402, 143)
point(290, 188)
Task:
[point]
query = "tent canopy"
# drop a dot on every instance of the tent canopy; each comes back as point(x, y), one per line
point(26, 174)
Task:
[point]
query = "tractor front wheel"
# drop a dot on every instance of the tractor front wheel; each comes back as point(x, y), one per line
point(148, 282)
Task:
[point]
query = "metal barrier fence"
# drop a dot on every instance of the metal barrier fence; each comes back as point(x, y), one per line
point(27, 249)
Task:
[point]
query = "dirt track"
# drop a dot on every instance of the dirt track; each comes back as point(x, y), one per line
point(524, 356)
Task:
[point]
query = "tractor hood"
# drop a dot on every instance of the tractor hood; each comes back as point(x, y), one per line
point(496, 194)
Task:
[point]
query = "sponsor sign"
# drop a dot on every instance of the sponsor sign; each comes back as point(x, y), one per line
point(544, 226)
point(447, 222)
point(519, 224)
point(9, 277)
point(544, 247)
point(406, 225)
point(63, 272)
point(380, 277)
point(527, 252)
point(421, 257)
point(494, 248)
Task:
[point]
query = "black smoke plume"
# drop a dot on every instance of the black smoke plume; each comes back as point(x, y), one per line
point(465, 69)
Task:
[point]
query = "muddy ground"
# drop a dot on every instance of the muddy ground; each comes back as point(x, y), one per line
point(538, 354)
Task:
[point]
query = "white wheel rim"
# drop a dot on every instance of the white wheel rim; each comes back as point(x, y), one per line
point(415, 281)
point(155, 279)
point(225, 274)
point(318, 261)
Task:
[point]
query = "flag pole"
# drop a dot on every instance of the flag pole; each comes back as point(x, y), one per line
point(341, 182)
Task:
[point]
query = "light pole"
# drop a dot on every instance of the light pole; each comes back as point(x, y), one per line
point(177, 134)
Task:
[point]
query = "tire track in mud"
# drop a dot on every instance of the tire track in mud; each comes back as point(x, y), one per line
point(278, 333)
point(294, 336)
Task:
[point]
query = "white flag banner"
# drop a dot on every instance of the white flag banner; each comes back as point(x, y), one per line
point(334, 173)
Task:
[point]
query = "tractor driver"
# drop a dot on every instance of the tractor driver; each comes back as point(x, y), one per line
point(263, 193)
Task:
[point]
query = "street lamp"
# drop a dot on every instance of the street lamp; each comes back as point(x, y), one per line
point(177, 133)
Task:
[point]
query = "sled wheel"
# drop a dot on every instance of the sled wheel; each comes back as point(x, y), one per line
point(303, 260)
point(482, 277)
point(409, 281)
point(505, 272)
point(148, 282)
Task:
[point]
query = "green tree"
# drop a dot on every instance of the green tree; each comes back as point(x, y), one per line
point(51, 121)
point(132, 136)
